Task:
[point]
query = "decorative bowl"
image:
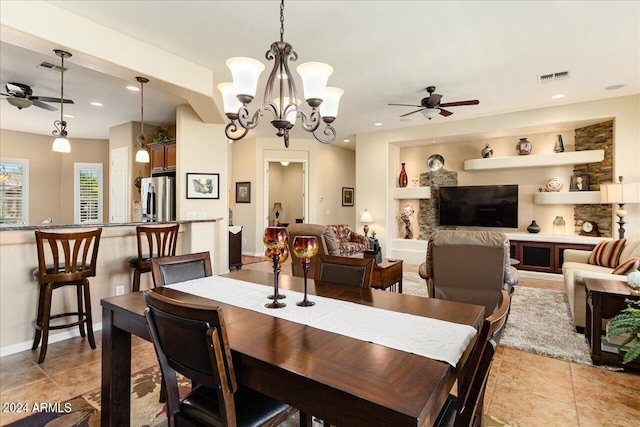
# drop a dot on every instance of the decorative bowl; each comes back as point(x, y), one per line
point(435, 162)
point(554, 184)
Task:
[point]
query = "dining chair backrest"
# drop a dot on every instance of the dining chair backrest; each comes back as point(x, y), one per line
point(340, 270)
point(180, 268)
point(67, 257)
point(192, 340)
point(155, 241)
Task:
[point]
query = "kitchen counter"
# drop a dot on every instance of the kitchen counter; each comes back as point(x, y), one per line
point(13, 227)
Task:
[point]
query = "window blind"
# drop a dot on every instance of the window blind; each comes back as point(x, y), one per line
point(12, 193)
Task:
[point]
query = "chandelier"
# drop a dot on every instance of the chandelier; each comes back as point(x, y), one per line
point(142, 155)
point(61, 143)
point(284, 108)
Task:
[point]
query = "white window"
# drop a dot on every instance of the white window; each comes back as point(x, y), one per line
point(14, 191)
point(88, 193)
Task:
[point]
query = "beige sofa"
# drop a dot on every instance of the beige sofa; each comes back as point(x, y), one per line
point(575, 268)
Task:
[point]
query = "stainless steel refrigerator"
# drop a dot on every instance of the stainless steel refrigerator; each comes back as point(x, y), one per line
point(158, 198)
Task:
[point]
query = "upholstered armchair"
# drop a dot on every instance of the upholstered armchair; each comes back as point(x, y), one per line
point(469, 266)
point(348, 241)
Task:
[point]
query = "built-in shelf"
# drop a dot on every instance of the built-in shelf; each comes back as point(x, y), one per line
point(567, 198)
point(412, 193)
point(539, 160)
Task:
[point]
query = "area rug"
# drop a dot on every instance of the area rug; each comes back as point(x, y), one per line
point(413, 284)
point(540, 322)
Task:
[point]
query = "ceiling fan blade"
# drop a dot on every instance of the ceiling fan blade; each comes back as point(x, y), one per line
point(43, 105)
point(406, 105)
point(445, 112)
point(456, 104)
point(404, 115)
point(17, 90)
point(434, 100)
point(50, 99)
point(5, 94)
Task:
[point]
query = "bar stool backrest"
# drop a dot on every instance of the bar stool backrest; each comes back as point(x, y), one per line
point(155, 241)
point(67, 257)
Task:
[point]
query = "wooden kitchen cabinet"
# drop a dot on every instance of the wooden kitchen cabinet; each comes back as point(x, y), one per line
point(163, 157)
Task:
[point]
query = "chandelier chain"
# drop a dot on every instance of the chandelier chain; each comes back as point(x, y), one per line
point(281, 20)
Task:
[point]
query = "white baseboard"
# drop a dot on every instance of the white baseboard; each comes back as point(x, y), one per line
point(540, 275)
point(53, 338)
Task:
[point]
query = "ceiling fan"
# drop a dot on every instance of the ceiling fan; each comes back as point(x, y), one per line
point(431, 106)
point(20, 95)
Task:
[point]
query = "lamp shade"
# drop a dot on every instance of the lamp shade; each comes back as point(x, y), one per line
point(245, 72)
point(329, 106)
point(620, 193)
point(142, 156)
point(231, 104)
point(366, 217)
point(314, 78)
point(277, 206)
point(61, 145)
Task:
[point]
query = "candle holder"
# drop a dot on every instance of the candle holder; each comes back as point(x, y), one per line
point(305, 247)
point(275, 239)
point(283, 257)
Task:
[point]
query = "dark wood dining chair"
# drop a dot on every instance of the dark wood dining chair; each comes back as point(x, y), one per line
point(466, 409)
point(344, 270)
point(153, 241)
point(65, 259)
point(180, 268)
point(192, 340)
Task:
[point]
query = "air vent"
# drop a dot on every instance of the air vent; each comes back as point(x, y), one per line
point(47, 66)
point(547, 78)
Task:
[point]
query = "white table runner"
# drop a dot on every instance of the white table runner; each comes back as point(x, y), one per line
point(424, 336)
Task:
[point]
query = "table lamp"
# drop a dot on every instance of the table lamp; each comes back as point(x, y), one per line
point(277, 207)
point(621, 194)
point(366, 219)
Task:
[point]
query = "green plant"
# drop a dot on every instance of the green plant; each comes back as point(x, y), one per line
point(163, 135)
point(627, 322)
point(373, 234)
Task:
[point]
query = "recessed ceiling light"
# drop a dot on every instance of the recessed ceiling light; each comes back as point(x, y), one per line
point(69, 116)
point(613, 87)
point(133, 88)
point(96, 104)
point(558, 96)
point(377, 124)
point(346, 140)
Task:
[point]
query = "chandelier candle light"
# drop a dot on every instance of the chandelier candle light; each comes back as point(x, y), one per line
point(142, 155)
point(276, 239)
point(61, 143)
point(305, 248)
point(323, 100)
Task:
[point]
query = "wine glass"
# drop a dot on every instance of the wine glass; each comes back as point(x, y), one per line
point(305, 247)
point(275, 239)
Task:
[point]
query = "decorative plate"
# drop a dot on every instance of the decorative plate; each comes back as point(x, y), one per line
point(435, 162)
point(554, 184)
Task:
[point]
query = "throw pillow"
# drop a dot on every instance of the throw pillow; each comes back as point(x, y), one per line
point(627, 266)
point(332, 241)
point(607, 253)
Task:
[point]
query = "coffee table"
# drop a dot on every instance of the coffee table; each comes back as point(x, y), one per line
point(605, 299)
point(387, 274)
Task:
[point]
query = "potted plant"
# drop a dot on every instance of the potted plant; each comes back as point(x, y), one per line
point(163, 135)
point(627, 323)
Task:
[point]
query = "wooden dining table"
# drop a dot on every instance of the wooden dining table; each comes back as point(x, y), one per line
point(341, 380)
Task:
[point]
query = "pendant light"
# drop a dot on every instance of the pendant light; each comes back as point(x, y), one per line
point(142, 155)
point(61, 143)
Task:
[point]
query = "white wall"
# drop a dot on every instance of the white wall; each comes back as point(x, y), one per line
point(379, 151)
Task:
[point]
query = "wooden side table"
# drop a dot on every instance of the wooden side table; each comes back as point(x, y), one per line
point(387, 274)
point(605, 299)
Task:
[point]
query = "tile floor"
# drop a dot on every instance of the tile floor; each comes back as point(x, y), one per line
point(523, 388)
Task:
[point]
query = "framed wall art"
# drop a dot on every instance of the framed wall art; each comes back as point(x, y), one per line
point(243, 192)
point(203, 185)
point(347, 196)
point(579, 182)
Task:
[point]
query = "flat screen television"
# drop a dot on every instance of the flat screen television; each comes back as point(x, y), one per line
point(479, 206)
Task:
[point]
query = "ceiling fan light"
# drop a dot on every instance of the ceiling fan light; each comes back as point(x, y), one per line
point(20, 102)
point(329, 106)
point(142, 156)
point(230, 102)
point(61, 145)
point(430, 113)
point(245, 72)
point(314, 79)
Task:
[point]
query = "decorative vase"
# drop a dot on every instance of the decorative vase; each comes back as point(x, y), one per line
point(486, 151)
point(559, 147)
point(523, 147)
point(533, 227)
point(408, 233)
point(633, 280)
point(558, 225)
point(403, 177)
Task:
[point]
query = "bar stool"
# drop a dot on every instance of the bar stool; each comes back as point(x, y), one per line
point(64, 259)
point(153, 241)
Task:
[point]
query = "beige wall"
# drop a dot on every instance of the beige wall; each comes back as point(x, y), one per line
point(286, 185)
point(51, 174)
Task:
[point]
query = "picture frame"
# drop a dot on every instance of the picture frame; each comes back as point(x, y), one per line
point(243, 192)
point(347, 196)
point(203, 186)
point(579, 182)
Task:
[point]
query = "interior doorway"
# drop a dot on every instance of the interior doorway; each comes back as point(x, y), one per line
point(285, 192)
